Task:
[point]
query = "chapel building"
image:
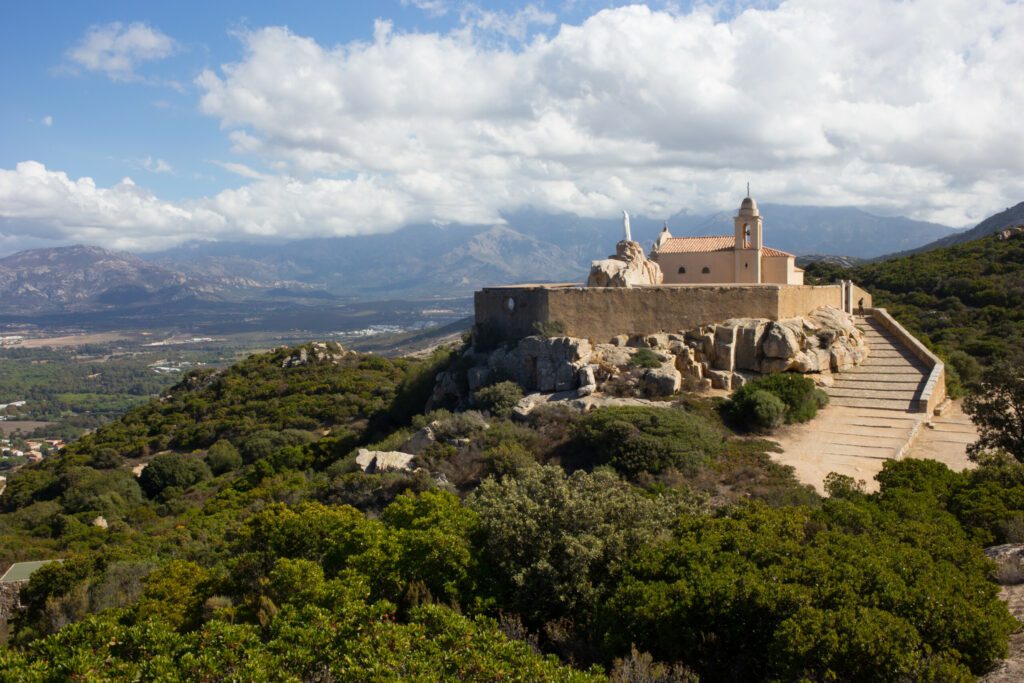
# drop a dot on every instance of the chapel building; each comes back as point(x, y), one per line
point(740, 258)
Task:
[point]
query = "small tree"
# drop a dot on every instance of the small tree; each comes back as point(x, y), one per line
point(499, 399)
point(223, 457)
point(172, 469)
point(998, 411)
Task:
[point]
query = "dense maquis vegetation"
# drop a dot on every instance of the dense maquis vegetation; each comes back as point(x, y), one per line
point(636, 544)
point(963, 301)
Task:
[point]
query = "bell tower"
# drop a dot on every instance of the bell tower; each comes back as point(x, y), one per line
point(748, 241)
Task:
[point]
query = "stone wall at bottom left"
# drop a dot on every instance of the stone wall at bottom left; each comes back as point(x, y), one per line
point(9, 604)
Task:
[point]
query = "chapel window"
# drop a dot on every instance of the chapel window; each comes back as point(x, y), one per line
point(682, 270)
point(706, 270)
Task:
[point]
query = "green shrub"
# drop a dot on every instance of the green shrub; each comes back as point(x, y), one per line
point(459, 425)
point(508, 459)
point(767, 410)
point(172, 470)
point(635, 440)
point(645, 358)
point(550, 328)
point(499, 399)
point(863, 589)
point(750, 408)
point(223, 457)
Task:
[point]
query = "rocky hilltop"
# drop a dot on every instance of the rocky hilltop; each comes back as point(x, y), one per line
point(722, 356)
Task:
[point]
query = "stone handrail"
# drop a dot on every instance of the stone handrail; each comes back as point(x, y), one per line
point(934, 391)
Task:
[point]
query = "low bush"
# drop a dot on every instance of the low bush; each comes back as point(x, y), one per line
point(223, 457)
point(645, 358)
point(756, 405)
point(635, 440)
point(499, 399)
point(550, 328)
point(766, 409)
point(172, 470)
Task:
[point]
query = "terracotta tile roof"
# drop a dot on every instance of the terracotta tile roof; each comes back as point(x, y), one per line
point(687, 245)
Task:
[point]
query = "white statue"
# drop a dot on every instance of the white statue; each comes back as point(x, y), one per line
point(625, 226)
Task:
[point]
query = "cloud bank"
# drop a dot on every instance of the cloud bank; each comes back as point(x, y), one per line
point(909, 107)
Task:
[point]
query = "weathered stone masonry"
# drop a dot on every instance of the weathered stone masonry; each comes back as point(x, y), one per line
point(599, 314)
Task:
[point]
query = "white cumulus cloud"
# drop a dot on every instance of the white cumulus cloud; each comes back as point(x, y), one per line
point(116, 49)
point(906, 107)
point(901, 106)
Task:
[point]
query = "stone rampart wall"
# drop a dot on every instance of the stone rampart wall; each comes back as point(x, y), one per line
point(795, 301)
point(859, 294)
point(599, 314)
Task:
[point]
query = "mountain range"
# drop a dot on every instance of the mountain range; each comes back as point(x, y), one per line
point(432, 260)
point(84, 278)
point(1012, 216)
point(417, 262)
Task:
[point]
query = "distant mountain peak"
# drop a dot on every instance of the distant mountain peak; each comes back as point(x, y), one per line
point(1009, 217)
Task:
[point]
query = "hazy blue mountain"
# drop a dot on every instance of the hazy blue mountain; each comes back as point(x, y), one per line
point(1012, 216)
point(417, 261)
point(454, 260)
point(84, 278)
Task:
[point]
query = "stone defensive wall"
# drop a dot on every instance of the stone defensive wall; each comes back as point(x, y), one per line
point(601, 313)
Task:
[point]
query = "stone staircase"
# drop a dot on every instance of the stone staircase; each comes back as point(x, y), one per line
point(870, 418)
point(890, 379)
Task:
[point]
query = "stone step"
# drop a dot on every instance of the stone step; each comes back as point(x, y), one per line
point(860, 451)
point(897, 425)
point(891, 363)
point(887, 363)
point(890, 372)
point(882, 383)
point(955, 427)
point(890, 353)
point(908, 395)
point(880, 437)
point(879, 403)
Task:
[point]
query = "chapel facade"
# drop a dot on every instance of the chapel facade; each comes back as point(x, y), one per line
point(740, 258)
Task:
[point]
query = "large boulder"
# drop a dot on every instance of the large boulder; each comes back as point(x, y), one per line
point(587, 381)
point(748, 343)
point(628, 267)
point(663, 381)
point(543, 364)
point(725, 347)
point(780, 341)
point(384, 461)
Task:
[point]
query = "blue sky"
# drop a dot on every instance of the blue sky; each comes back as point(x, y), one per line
point(107, 129)
point(245, 120)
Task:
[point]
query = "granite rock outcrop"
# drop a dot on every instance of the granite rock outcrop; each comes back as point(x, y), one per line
point(627, 268)
point(722, 356)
